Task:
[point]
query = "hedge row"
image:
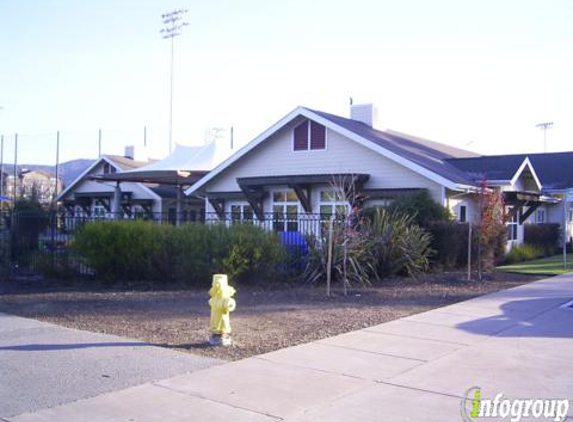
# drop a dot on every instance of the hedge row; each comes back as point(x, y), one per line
point(190, 254)
point(543, 236)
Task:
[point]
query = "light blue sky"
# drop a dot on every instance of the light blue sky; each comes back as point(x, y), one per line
point(475, 74)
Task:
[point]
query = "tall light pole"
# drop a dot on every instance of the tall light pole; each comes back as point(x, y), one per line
point(172, 26)
point(544, 126)
point(1, 172)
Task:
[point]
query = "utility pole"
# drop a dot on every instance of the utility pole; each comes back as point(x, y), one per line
point(57, 167)
point(2, 170)
point(172, 26)
point(544, 126)
point(15, 168)
point(2, 173)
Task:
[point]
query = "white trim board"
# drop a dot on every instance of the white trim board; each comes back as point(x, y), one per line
point(526, 163)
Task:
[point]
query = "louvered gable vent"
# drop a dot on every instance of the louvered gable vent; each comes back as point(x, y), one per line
point(301, 137)
point(306, 131)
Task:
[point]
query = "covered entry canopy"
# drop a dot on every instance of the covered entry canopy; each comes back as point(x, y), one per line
point(254, 187)
point(185, 166)
point(533, 200)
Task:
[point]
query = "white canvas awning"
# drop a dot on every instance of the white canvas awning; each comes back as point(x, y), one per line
point(183, 167)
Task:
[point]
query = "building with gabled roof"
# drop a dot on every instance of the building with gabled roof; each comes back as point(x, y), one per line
point(87, 196)
point(289, 170)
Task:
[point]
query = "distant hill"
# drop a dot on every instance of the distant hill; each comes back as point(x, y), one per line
point(69, 171)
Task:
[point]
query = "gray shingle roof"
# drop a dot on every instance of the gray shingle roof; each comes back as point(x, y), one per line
point(428, 154)
point(500, 167)
point(554, 170)
point(126, 163)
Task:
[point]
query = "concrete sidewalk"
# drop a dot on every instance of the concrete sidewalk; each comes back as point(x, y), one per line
point(518, 342)
point(43, 365)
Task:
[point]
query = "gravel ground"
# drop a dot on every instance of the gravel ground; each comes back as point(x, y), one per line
point(265, 319)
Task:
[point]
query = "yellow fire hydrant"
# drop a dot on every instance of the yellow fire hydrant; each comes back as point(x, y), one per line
point(221, 303)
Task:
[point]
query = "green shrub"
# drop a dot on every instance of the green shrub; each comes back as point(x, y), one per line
point(28, 221)
point(400, 245)
point(351, 255)
point(55, 266)
point(543, 236)
point(519, 253)
point(421, 207)
point(251, 254)
point(119, 250)
point(190, 254)
point(450, 243)
point(388, 244)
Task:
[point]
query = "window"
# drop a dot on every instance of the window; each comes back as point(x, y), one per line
point(512, 227)
point(309, 135)
point(108, 168)
point(241, 213)
point(99, 211)
point(540, 216)
point(333, 202)
point(285, 211)
point(463, 214)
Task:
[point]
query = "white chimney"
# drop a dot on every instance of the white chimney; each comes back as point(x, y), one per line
point(129, 152)
point(365, 113)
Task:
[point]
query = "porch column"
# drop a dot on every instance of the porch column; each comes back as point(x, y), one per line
point(116, 202)
point(178, 206)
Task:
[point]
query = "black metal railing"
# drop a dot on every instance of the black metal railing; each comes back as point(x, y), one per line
point(42, 241)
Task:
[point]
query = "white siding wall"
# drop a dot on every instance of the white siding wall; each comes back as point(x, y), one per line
point(455, 201)
point(276, 157)
point(555, 215)
point(138, 191)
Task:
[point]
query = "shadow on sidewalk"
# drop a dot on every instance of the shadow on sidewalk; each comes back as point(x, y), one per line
point(526, 318)
point(71, 346)
point(185, 346)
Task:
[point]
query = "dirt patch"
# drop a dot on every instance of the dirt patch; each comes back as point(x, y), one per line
point(265, 319)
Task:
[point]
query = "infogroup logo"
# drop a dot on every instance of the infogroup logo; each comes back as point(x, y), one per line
point(474, 407)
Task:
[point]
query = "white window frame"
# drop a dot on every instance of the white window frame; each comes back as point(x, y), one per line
point(242, 218)
point(308, 149)
point(333, 204)
point(284, 204)
point(100, 212)
point(513, 227)
point(540, 216)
